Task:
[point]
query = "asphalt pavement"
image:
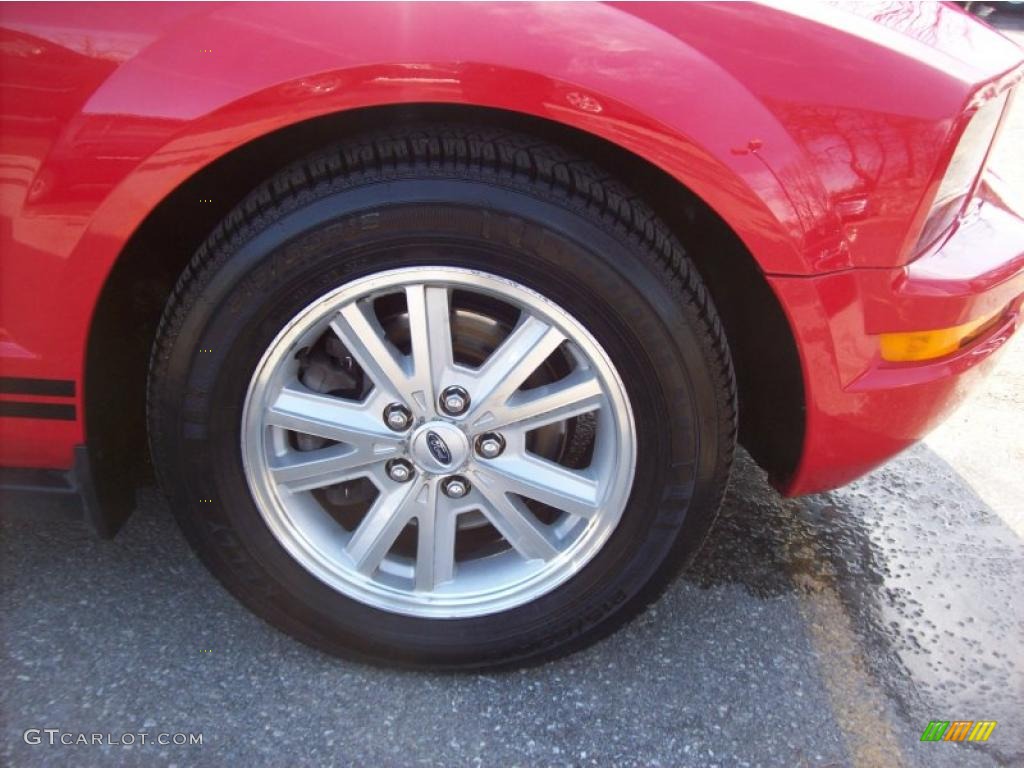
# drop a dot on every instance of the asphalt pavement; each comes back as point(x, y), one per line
point(823, 631)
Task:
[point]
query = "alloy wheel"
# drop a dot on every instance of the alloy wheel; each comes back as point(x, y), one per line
point(438, 442)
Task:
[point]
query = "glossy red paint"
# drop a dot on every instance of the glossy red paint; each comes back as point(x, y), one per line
point(862, 409)
point(819, 133)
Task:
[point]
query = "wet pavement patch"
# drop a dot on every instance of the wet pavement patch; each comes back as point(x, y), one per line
point(928, 577)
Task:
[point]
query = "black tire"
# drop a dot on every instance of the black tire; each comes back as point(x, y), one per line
point(464, 196)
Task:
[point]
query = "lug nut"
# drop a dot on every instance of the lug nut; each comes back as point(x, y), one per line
point(454, 400)
point(399, 470)
point(490, 445)
point(455, 487)
point(397, 417)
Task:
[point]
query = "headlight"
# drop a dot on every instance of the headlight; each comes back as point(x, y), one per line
point(963, 170)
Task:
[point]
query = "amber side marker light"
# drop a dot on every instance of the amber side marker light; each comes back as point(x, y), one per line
point(915, 346)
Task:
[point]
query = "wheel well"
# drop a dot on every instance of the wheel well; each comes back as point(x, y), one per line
point(132, 300)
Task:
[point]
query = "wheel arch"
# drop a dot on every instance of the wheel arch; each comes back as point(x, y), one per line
point(141, 281)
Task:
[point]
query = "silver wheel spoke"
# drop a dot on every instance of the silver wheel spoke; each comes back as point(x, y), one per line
point(307, 470)
point(547, 482)
point(516, 522)
point(363, 337)
point(387, 516)
point(431, 336)
point(435, 547)
point(346, 421)
point(522, 353)
point(578, 393)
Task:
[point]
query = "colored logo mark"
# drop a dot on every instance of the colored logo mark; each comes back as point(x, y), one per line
point(958, 730)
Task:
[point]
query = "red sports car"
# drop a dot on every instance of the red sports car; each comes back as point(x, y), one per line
point(438, 323)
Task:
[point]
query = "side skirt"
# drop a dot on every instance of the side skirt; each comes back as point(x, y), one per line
point(59, 495)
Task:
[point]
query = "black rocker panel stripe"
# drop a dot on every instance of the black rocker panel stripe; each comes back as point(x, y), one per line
point(58, 411)
point(15, 385)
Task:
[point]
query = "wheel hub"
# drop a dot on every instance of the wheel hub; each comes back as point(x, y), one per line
point(439, 448)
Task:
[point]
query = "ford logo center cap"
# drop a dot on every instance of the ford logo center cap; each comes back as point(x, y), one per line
point(438, 448)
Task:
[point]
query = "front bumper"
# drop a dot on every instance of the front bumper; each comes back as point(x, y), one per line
point(861, 409)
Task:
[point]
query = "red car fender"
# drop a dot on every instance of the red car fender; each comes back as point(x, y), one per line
point(209, 79)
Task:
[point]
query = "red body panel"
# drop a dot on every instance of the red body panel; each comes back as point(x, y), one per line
point(818, 135)
point(862, 409)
